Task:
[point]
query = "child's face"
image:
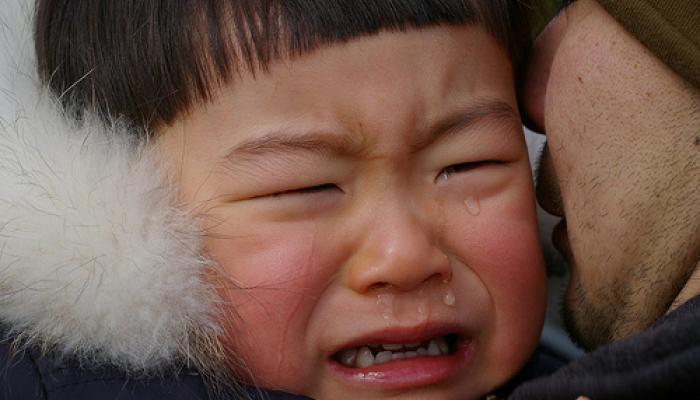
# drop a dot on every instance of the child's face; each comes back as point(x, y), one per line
point(368, 194)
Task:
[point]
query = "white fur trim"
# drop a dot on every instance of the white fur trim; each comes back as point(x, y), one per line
point(94, 260)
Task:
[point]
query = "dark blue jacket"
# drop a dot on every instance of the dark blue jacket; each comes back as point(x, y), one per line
point(661, 363)
point(29, 376)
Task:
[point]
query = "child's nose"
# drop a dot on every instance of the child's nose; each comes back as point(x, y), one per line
point(399, 251)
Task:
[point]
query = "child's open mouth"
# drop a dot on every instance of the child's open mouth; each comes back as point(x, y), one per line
point(375, 354)
point(411, 360)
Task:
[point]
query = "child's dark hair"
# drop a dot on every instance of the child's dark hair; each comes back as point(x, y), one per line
point(148, 61)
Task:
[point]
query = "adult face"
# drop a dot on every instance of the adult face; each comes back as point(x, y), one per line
point(371, 200)
point(622, 166)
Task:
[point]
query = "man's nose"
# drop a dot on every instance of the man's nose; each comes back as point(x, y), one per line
point(532, 96)
point(400, 251)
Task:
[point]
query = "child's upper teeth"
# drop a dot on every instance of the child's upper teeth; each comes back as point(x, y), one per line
point(397, 347)
point(383, 356)
point(433, 349)
point(442, 344)
point(348, 357)
point(363, 357)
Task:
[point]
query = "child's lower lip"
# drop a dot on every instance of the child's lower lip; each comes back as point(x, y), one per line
point(407, 373)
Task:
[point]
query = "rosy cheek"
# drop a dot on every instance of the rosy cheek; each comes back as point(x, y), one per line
point(270, 293)
point(512, 264)
point(501, 248)
point(512, 270)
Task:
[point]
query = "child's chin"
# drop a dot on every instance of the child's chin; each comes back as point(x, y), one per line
point(451, 391)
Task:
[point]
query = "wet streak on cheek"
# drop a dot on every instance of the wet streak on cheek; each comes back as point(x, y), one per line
point(280, 275)
point(514, 274)
point(307, 267)
point(510, 266)
point(502, 248)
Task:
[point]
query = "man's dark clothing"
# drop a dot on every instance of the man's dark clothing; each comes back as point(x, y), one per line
point(661, 363)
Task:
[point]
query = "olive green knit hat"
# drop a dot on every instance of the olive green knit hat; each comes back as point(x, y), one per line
point(669, 28)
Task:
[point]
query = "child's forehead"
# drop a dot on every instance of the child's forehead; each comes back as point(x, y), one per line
point(392, 93)
point(433, 70)
point(424, 55)
point(460, 126)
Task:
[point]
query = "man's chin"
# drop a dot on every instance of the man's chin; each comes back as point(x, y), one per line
point(586, 324)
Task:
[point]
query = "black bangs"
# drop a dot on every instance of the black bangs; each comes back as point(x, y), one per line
point(147, 61)
point(565, 3)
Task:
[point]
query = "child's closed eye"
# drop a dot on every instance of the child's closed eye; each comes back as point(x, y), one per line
point(465, 167)
point(309, 190)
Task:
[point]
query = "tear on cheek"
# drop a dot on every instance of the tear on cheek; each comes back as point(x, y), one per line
point(472, 204)
point(512, 269)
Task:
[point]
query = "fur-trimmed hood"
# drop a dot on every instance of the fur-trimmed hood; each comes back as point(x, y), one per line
point(95, 262)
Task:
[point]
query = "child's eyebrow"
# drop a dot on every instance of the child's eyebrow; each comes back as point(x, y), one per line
point(286, 141)
point(491, 111)
point(328, 143)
